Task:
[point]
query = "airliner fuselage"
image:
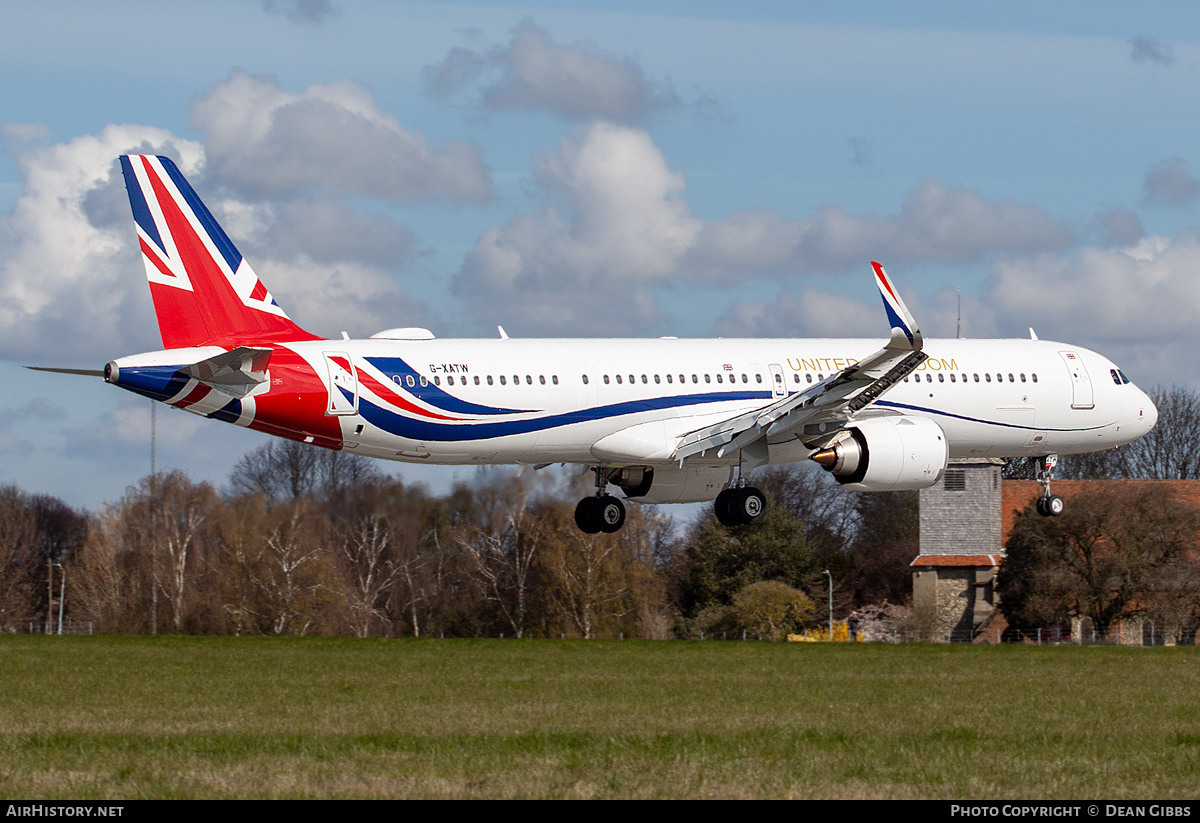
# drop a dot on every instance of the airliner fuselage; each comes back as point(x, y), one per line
point(550, 400)
point(664, 420)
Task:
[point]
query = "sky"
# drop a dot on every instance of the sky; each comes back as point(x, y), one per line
point(589, 170)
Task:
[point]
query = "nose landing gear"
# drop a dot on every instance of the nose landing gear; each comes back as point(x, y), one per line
point(1048, 505)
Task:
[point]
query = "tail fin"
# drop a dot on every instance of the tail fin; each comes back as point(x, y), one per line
point(204, 291)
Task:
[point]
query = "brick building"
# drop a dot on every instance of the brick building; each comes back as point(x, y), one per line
point(965, 522)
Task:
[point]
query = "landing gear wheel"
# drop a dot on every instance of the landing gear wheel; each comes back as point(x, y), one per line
point(610, 514)
point(600, 514)
point(748, 505)
point(722, 510)
point(1050, 506)
point(586, 517)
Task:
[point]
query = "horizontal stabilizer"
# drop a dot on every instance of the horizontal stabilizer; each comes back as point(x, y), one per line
point(84, 372)
point(235, 373)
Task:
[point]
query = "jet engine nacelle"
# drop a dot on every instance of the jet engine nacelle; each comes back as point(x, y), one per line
point(671, 484)
point(883, 454)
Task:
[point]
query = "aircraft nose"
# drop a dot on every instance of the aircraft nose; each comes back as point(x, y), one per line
point(1147, 412)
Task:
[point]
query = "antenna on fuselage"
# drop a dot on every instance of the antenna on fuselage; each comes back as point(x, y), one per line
point(503, 333)
point(960, 312)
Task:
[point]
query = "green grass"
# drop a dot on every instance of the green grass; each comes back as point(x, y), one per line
point(116, 717)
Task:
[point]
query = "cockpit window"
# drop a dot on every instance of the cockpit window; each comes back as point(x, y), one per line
point(1124, 379)
point(1116, 377)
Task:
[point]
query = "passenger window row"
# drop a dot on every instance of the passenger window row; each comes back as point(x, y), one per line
point(633, 379)
point(958, 377)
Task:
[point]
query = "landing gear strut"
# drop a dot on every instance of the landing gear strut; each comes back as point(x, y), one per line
point(1048, 505)
point(602, 512)
point(740, 505)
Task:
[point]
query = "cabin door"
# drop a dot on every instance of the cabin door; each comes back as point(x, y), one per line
point(1081, 385)
point(343, 383)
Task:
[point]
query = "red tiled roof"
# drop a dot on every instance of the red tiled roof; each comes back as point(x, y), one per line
point(968, 560)
point(1017, 494)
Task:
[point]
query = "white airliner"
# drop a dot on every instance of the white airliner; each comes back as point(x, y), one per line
point(665, 421)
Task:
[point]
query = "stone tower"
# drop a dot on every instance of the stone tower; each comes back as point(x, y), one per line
point(961, 548)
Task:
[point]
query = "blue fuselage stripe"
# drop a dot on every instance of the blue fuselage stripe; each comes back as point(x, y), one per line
point(394, 367)
point(423, 430)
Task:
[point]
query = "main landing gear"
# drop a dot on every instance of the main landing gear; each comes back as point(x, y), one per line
point(740, 506)
point(1048, 505)
point(601, 512)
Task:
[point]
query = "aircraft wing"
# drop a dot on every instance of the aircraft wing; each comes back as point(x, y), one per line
point(821, 411)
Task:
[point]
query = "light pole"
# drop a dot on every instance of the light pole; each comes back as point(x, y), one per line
point(62, 597)
point(830, 576)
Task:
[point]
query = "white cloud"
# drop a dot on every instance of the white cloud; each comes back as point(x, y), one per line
point(936, 224)
point(811, 313)
point(531, 72)
point(623, 228)
point(619, 227)
point(65, 282)
point(72, 284)
point(1146, 292)
point(330, 232)
point(330, 297)
point(1137, 305)
point(265, 141)
point(24, 132)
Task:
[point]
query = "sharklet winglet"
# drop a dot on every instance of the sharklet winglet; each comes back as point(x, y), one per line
point(899, 316)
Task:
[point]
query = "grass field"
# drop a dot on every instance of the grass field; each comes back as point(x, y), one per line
point(118, 717)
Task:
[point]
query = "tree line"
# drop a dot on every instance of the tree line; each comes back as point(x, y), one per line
point(304, 541)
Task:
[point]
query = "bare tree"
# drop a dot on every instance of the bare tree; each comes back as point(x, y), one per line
point(279, 470)
point(111, 585)
point(1172, 448)
point(371, 572)
point(18, 536)
point(178, 510)
point(828, 512)
point(292, 573)
point(283, 470)
point(502, 552)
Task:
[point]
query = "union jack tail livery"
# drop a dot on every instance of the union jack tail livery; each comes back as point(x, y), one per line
point(204, 291)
